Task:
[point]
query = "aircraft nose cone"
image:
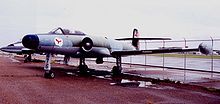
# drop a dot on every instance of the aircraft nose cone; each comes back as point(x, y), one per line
point(30, 41)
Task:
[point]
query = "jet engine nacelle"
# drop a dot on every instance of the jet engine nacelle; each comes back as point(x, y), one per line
point(86, 44)
point(205, 49)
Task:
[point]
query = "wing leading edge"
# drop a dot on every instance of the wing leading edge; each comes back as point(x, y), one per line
point(144, 38)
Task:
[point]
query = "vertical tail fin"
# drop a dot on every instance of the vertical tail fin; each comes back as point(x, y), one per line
point(135, 40)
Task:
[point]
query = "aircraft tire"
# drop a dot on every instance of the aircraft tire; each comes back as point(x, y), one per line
point(116, 70)
point(25, 61)
point(49, 75)
point(83, 69)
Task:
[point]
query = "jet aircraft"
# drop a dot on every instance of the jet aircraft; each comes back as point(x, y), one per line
point(19, 49)
point(80, 45)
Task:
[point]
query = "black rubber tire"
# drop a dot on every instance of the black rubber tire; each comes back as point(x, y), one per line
point(116, 70)
point(49, 75)
point(83, 69)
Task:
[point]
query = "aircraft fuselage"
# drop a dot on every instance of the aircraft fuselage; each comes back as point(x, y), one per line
point(72, 45)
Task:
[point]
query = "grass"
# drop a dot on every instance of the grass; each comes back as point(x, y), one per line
point(187, 56)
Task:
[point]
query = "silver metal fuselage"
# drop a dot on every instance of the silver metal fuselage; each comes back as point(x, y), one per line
point(102, 46)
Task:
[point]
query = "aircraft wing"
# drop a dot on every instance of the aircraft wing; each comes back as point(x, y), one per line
point(144, 39)
point(17, 50)
point(11, 51)
point(155, 51)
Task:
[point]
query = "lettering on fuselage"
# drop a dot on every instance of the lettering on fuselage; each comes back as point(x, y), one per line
point(58, 41)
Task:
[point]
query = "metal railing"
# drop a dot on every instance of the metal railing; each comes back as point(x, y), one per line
point(200, 64)
point(183, 61)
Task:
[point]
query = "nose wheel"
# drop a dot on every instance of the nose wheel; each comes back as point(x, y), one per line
point(49, 75)
point(47, 67)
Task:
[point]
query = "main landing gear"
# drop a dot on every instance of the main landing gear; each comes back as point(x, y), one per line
point(27, 58)
point(83, 68)
point(66, 59)
point(47, 67)
point(116, 70)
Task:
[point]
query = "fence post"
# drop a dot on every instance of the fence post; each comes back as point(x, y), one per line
point(185, 54)
point(163, 53)
point(130, 60)
point(212, 55)
point(185, 60)
point(145, 54)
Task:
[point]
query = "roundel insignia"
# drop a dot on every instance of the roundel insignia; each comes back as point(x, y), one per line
point(58, 41)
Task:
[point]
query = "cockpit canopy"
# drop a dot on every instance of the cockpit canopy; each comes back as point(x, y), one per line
point(62, 31)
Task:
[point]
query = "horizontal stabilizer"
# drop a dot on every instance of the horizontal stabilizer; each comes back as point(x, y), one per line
point(144, 39)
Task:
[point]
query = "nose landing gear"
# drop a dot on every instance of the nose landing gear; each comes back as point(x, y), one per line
point(47, 67)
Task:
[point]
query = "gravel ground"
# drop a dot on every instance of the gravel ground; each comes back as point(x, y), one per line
point(23, 83)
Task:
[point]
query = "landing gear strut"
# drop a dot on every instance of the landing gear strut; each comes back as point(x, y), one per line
point(66, 59)
point(47, 67)
point(116, 70)
point(82, 66)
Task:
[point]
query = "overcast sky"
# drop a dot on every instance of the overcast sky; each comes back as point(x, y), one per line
point(192, 19)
